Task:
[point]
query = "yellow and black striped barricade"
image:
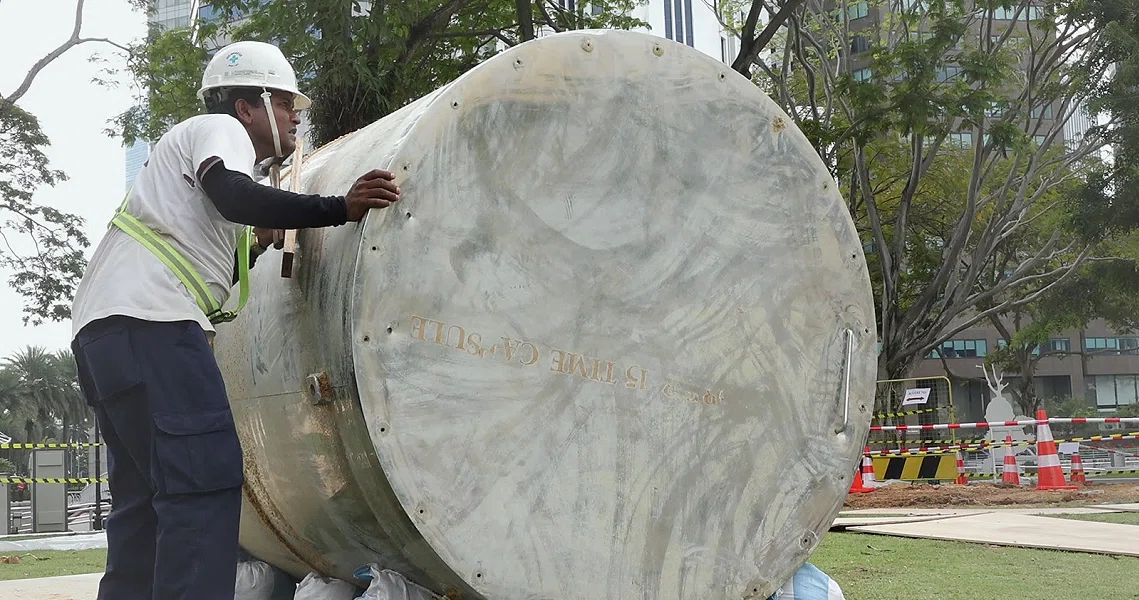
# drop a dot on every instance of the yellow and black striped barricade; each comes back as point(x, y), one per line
point(916, 468)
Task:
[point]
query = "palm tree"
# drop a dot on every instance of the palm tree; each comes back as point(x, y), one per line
point(41, 392)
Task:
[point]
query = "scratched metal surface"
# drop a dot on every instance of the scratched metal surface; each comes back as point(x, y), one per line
point(598, 351)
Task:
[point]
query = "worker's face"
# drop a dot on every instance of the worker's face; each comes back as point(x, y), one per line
point(260, 131)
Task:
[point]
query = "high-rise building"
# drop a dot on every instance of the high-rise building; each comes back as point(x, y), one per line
point(165, 15)
point(136, 156)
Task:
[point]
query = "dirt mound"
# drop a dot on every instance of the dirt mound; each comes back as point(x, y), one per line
point(990, 494)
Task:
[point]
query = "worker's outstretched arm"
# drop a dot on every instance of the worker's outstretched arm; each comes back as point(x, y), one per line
point(242, 200)
point(223, 157)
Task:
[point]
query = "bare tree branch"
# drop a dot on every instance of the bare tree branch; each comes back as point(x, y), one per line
point(34, 71)
point(750, 44)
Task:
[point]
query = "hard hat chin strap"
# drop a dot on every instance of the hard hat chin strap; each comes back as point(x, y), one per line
point(268, 101)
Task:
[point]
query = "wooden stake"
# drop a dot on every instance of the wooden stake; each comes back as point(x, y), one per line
point(295, 187)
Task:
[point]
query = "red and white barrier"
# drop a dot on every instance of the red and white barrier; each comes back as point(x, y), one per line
point(989, 424)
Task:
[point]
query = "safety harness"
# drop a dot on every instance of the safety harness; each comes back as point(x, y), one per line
point(182, 268)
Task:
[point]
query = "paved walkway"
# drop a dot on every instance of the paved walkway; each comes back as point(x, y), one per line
point(72, 587)
point(1009, 528)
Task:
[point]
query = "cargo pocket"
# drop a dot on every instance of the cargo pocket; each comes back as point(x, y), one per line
point(111, 366)
point(197, 453)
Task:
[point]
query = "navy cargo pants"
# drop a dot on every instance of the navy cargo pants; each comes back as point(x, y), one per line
point(174, 459)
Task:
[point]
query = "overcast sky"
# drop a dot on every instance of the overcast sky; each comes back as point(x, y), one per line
point(73, 113)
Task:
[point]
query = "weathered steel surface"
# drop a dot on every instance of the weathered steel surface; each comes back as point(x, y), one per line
point(601, 349)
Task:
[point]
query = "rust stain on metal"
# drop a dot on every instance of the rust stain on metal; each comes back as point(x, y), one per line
point(320, 388)
point(779, 124)
point(274, 522)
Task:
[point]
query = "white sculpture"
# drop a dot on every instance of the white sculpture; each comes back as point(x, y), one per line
point(1001, 409)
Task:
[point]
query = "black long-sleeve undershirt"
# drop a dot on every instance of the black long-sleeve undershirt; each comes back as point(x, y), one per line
point(241, 200)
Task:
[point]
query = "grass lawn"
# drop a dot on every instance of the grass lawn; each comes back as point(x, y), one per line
point(867, 567)
point(1131, 518)
point(877, 567)
point(52, 563)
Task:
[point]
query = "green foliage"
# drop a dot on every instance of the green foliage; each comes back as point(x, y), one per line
point(356, 67)
point(43, 247)
point(40, 401)
point(970, 203)
point(167, 68)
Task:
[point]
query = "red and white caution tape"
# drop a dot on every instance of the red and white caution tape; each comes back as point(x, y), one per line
point(989, 424)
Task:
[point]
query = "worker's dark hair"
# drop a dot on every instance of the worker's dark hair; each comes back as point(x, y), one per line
point(223, 101)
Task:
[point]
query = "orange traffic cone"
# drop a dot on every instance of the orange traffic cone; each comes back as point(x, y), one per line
point(1011, 473)
point(1077, 470)
point(1049, 474)
point(862, 481)
point(961, 479)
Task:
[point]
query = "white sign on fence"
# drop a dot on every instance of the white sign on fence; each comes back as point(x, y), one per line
point(916, 396)
point(1068, 447)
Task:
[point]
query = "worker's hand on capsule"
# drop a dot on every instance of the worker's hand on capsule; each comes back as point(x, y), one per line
point(270, 237)
point(374, 189)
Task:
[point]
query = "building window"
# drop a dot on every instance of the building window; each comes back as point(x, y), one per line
point(1113, 391)
point(1054, 345)
point(859, 10)
point(948, 73)
point(962, 349)
point(678, 21)
point(1018, 13)
point(863, 75)
point(860, 44)
point(1044, 112)
point(1114, 346)
point(961, 140)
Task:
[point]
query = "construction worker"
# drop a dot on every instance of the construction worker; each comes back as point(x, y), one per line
point(146, 309)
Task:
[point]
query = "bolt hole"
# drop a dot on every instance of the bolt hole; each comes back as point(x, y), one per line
point(407, 167)
point(409, 215)
point(383, 429)
point(722, 76)
point(455, 104)
point(367, 339)
point(421, 511)
point(755, 590)
point(389, 329)
point(374, 248)
point(478, 575)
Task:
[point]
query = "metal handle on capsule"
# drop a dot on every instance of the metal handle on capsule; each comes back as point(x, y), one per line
point(846, 381)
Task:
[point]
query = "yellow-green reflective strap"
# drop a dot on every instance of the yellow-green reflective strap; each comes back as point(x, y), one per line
point(182, 267)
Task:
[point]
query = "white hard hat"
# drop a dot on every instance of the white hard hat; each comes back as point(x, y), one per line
point(252, 64)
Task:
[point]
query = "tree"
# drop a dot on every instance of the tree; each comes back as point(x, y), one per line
point(1106, 290)
point(928, 89)
point(40, 401)
point(1107, 287)
point(42, 246)
point(358, 63)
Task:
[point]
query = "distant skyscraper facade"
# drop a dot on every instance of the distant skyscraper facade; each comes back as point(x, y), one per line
point(166, 15)
point(136, 156)
point(173, 14)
